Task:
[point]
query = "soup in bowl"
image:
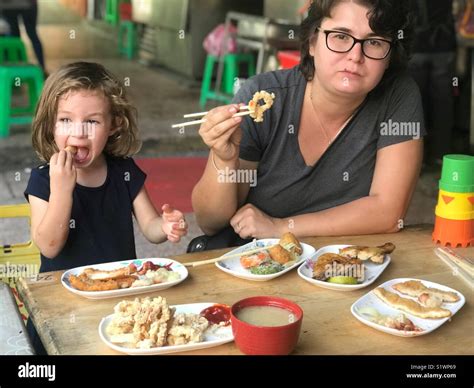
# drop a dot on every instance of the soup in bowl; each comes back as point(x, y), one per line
point(266, 325)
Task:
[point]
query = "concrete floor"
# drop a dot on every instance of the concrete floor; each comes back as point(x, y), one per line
point(161, 98)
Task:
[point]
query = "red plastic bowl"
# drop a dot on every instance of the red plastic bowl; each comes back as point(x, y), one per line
point(264, 340)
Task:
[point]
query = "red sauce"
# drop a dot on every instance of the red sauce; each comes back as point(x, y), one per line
point(217, 313)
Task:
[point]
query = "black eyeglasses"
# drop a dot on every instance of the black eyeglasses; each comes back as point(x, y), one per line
point(342, 42)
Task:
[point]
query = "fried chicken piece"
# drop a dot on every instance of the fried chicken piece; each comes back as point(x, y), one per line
point(187, 329)
point(327, 262)
point(374, 254)
point(83, 283)
point(126, 281)
point(291, 243)
point(280, 254)
point(146, 321)
point(95, 274)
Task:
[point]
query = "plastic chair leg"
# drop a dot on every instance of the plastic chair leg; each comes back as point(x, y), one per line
point(5, 110)
point(207, 79)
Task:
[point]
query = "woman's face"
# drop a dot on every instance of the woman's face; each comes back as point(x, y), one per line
point(350, 73)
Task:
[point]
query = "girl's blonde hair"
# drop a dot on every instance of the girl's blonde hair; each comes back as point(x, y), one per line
point(89, 76)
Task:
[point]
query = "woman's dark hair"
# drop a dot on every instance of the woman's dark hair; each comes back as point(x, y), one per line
point(391, 19)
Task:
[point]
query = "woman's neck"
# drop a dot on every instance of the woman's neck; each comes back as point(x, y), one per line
point(93, 175)
point(332, 107)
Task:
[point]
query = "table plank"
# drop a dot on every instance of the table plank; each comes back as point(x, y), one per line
point(68, 324)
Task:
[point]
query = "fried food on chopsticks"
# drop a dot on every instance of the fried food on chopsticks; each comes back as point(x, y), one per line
point(374, 254)
point(257, 110)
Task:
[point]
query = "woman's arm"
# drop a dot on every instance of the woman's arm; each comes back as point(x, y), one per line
point(50, 220)
point(210, 194)
point(170, 226)
point(214, 200)
point(382, 211)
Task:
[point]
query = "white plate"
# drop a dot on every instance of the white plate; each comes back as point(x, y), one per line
point(211, 339)
point(372, 270)
point(175, 266)
point(233, 266)
point(428, 325)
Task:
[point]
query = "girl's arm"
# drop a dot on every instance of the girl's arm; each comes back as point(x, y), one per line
point(382, 211)
point(50, 220)
point(170, 226)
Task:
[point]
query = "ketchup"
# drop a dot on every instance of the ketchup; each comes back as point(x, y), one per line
point(217, 313)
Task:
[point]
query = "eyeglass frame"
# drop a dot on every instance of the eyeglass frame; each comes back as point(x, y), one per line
point(361, 41)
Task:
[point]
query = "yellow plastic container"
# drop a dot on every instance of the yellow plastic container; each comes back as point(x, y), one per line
point(455, 206)
point(18, 259)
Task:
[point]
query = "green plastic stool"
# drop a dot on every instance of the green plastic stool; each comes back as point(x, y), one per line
point(129, 47)
point(12, 50)
point(112, 11)
point(17, 75)
point(230, 73)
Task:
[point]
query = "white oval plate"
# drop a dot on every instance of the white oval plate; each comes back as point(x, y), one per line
point(176, 266)
point(211, 339)
point(372, 270)
point(428, 325)
point(233, 267)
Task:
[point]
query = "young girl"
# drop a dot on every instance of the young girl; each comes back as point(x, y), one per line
point(82, 201)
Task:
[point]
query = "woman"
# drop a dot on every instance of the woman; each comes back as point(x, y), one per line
point(28, 10)
point(340, 151)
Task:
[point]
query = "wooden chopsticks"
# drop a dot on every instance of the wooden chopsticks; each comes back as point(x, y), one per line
point(221, 258)
point(461, 265)
point(246, 112)
point(200, 114)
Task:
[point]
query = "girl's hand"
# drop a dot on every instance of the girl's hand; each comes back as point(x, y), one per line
point(221, 132)
point(173, 224)
point(62, 173)
point(252, 222)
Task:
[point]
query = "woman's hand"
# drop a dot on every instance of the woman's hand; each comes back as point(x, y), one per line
point(221, 132)
point(62, 173)
point(173, 224)
point(252, 222)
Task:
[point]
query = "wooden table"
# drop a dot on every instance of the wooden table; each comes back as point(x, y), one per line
point(68, 324)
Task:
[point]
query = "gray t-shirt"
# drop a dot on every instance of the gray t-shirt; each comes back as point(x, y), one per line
point(286, 186)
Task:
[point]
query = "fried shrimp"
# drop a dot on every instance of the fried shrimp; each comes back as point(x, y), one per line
point(256, 109)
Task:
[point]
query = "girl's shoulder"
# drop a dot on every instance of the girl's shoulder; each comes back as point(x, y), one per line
point(121, 163)
point(40, 171)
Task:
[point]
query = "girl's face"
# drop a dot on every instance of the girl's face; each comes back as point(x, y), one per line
point(350, 73)
point(83, 120)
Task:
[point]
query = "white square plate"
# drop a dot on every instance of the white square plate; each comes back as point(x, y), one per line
point(175, 266)
point(372, 270)
point(428, 325)
point(211, 338)
point(233, 267)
